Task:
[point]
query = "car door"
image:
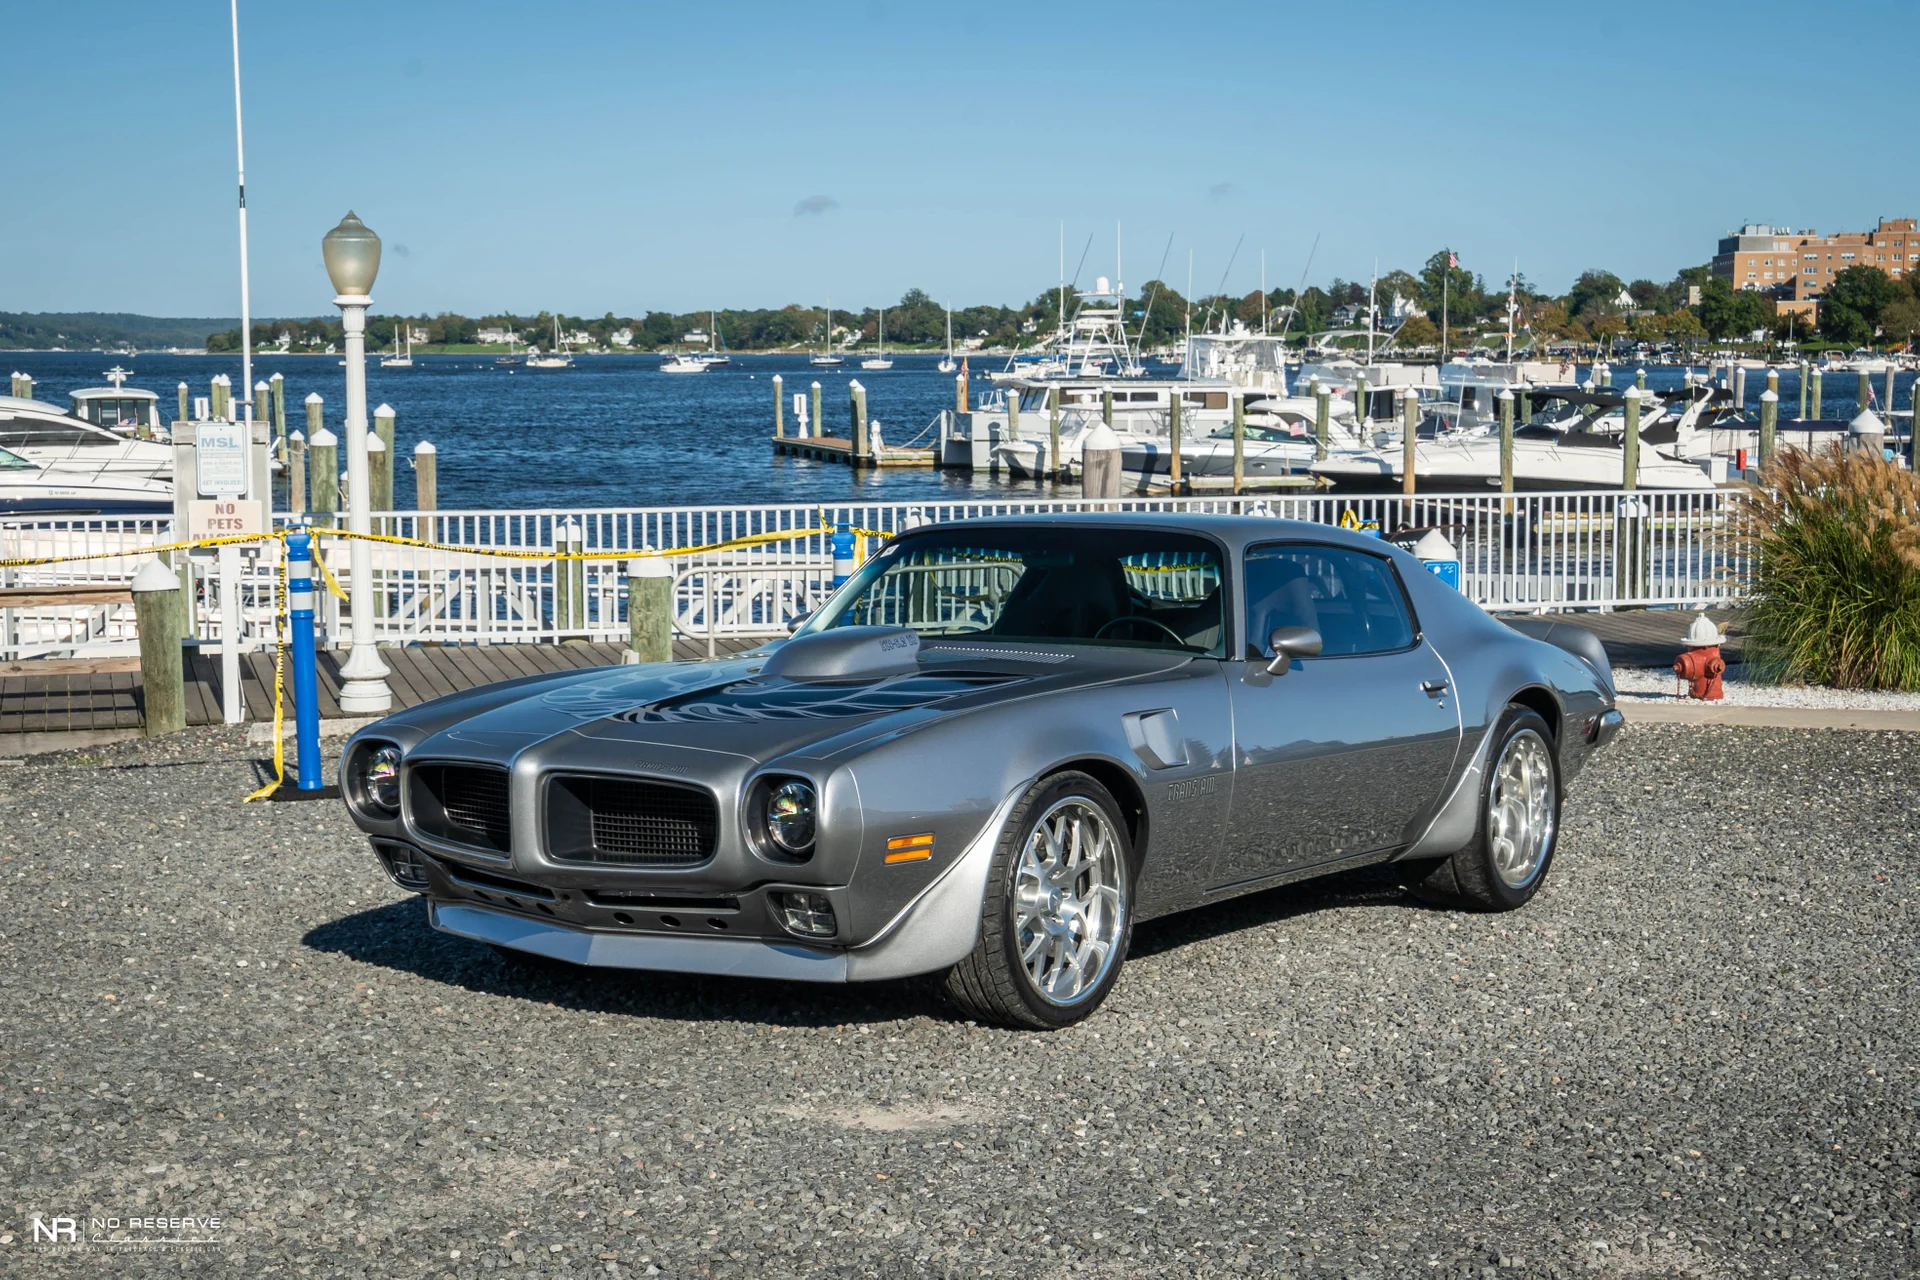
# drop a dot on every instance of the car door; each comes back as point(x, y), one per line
point(1338, 755)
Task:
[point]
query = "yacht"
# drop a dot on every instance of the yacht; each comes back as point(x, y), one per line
point(879, 359)
point(44, 436)
point(29, 489)
point(119, 408)
point(1093, 344)
point(557, 358)
point(685, 362)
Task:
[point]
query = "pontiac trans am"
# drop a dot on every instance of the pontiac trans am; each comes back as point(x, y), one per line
point(999, 746)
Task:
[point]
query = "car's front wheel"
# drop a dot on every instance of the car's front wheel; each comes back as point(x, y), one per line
point(1058, 910)
point(1507, 860)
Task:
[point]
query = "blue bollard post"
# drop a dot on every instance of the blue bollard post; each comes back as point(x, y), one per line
point(306, 684)
point(842, 554)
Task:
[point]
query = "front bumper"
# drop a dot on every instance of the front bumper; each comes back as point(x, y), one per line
point(1610, 723)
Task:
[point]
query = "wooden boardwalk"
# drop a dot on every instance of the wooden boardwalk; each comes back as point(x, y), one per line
point(73, 701)
point(840, 449)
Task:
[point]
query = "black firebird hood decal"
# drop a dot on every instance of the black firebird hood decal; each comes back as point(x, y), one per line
point(757, 700)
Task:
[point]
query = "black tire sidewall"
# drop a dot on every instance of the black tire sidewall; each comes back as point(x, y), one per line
point(1044, 795)
point(1512, 722)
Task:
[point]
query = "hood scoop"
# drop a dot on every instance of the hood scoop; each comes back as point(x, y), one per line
point(845, 653)
point(761, 700)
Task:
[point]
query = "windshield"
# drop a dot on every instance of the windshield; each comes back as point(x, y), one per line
point(1130, 588)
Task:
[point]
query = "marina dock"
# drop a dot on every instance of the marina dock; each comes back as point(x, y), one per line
point(840, 449)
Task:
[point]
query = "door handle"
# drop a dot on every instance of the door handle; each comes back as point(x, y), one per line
point(1433, 688)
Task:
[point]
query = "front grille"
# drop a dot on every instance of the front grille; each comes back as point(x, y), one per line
point(462, 804)
point(626, 822)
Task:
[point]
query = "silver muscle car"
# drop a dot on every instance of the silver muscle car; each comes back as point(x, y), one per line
point(998, 747)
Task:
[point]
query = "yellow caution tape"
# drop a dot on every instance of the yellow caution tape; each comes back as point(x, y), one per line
point(279, 685)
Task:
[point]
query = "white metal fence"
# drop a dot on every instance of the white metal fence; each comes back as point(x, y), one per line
point(1548, 551)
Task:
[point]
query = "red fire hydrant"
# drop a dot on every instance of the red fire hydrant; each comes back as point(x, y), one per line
point(1701, 666)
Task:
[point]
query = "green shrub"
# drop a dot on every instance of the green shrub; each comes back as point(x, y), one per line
point(1836, 542)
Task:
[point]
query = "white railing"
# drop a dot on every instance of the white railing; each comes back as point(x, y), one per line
point(1544, 551)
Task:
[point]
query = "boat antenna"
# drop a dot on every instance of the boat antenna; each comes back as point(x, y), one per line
point(1223, 284)
point(246, 309)
point(1294, 310)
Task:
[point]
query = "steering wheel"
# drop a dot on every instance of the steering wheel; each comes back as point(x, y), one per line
point(1173, 635)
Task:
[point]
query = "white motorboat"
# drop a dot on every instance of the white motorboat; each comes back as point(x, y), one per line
point(119, 408)
point(44, 436)
point(685, 363)
point(1543, 459)
point(31, 489)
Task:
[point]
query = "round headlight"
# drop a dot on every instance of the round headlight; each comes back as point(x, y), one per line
point(792, 816)
point(380, 779)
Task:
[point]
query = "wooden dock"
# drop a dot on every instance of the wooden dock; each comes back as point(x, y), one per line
point(840, 449)
point(63, 698)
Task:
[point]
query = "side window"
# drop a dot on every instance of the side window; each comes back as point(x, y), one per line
point(1352, 599)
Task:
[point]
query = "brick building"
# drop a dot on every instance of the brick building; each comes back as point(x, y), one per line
point(1797, 266)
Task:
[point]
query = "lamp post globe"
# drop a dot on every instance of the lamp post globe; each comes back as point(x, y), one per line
point(352, 254)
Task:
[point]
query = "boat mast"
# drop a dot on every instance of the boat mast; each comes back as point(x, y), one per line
point(246, 308)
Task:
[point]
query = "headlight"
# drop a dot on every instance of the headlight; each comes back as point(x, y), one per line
point(792, 817)
point(379, 780)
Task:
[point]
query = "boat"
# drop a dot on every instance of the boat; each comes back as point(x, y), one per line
point(1093, 344)
point(716, 356)
point(558, 358)
point(118, 408)
point(825, 359)
point(509, 358)
point(44, 436)
point(879, 359)
point(948, 364)
point(684, 362)
point(402, 357)
point(28, 488)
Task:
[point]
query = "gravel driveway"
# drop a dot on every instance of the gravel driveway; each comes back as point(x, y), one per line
point(1692, 1056)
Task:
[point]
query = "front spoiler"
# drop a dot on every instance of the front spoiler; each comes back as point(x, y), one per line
point(728, 957)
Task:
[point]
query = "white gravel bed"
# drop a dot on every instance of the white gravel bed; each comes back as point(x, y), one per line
point(1638, 684)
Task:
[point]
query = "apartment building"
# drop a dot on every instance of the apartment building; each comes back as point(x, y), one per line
point(1799, 265)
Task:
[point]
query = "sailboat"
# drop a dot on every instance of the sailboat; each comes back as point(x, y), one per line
point(509, 358)
point(716, 356)
point(826, 359)
point(879, 359)
point(558, 358)
point(948, 365)
point(402, 357)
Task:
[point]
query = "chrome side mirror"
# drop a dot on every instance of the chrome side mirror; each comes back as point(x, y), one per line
point(1288, 643)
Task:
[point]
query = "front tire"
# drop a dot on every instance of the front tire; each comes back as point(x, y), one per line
point(1507, 860)
point(1058, 911)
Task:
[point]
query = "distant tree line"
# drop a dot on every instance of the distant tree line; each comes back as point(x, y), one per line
point(1862, 305)
point(85, 330)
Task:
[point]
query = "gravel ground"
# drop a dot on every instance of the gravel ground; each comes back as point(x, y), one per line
point(1641, 683)
point(1691, 1056)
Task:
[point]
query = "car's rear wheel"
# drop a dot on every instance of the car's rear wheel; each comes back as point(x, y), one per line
point(1058, 910)
point(1505, 863)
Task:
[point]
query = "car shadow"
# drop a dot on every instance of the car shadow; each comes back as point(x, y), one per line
point(398, 937)
point(1363, 887)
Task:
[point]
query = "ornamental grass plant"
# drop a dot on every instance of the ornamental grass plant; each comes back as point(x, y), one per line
point(1835, 540)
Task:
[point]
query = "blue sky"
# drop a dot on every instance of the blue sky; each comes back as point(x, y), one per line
point(623, 157)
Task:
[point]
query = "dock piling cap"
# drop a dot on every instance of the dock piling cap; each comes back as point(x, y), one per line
point(1867, 424)
point(1434, 545)
point(154, 576)
point(1100, 437)
point(1703, 634)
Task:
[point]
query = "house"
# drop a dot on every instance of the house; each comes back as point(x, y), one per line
point(621, 337)
point(419, 335)
point(491, 334)
point(694, 337)
point(579, 338)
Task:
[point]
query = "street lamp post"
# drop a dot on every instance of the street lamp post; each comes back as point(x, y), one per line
point(352, 254)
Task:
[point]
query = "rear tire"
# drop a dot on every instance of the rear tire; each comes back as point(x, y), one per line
point(1058, 910)
point(1507, 860)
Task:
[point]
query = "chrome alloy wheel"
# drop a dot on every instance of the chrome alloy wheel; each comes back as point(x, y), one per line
point(1520, 809)
point(1069, 901)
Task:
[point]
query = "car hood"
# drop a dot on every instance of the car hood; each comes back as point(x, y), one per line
point(729, 707)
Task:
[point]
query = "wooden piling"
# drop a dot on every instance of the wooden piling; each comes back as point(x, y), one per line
point(296, 473)
point(426, 477)
point(1803, 389)
point(156, 609)
point(857, 403)
point(1360, 405)
point(1814, 379)
point(1886, 402)
point(324, 482)
point(1505, 401)
point(570, 579)
point(1054, 467)
point(217, 398)
point(277, 393)
point(1322, 419)
point(1173, 438)
point(1106, 406)
point(779, 407)
point(182, 391)
point(650, 609)
point(1409, 438)
point(383, 423)
point(316, 422)
point(1769, 422)
point(1013, 413)
point(26, 386)
point(1640, 379)
point(959, 393)
point(819, 427)
point(1239, 403)
point(1630, 443)
point(1862, 392)
point(1740, 389)
point(379, 473)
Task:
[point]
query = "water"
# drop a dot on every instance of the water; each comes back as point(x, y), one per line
point(613, 431)
point(616, 432)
